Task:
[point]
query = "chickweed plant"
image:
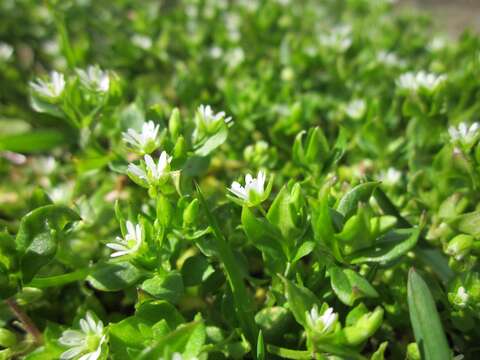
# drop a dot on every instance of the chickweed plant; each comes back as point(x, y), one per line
point(255, 179)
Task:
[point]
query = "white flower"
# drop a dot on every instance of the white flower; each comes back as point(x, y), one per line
point(420, 80)
point(254, 189)
point(408, 82)
point(43, 165)
point(235, 57)
point(153, 173)
point(130, 244)
point(146, 140)
point(215, 52)
point(178, 356)
point(51, 88)
point(321, 323)
point(94, 78)
point(461, 297)
point(6, 51)
point(142, 41)
point(391, 177)
point(338, 38)
point(355, 109)
point(437, 44)
point(389, 59)
point(463, 133)
point(86, 343)
point(206, 117)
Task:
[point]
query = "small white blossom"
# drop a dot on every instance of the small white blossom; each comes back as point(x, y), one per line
point(51, 88)
point(94, 78)
point(178, 356)
point(321, 323)
point(338, 38)
point(462, 297)
point(355, 109)
point(390, 177)
point(146, 140)
point(215, 52)
point(152, 173)
point(253, 190)
point(142, 41)
point(232, 23)
point(389, 59)
point(86, 343)
point(235, 57)
point(206, 117)
point(437, 44)
point(420, 80)
point(44, 165)
point(463, 133)
point(6, 51)
point(130, 244)
point(51, 47)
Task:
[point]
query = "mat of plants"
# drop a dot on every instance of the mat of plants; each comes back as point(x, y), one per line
point(213, 179)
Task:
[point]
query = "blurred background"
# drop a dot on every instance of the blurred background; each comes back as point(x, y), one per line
point(452, 16)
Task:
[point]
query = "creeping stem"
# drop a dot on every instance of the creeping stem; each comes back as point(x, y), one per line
point(28, 324)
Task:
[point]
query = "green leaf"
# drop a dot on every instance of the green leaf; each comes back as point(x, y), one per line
point(127, 335)
point(260, 346)
point(115, 276)
point(303, 250)
point(196, 165)
point(284, 353)
point(37, 237)
point(360, 193)
point(322, 224)
point(266, 238)
point(155, 310)
point(42, 106)
point(425, 320)
point(196, 270)
point(379, 354)
point(167, 286)
point(186, 339)
point(300, 300)
point(349, 286)
point(389, 247)
point(284, 214)
point(132, 117)
point(468, 223)
point(212, 142)
point(33, 142)
point(275, 322)
point(242, 299)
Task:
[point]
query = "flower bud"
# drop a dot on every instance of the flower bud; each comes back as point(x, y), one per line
point(190, 213)
point(364, 327)
point(175, 124)
point(464, 291)
point(459, 246)
point(413, 353)
point(315, 149)
point(180, 149)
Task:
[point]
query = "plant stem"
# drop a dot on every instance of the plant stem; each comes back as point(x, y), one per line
point(28, 324)
point(241, 297)
point(262, 210)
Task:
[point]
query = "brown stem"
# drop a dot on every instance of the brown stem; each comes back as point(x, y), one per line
point(28, 324)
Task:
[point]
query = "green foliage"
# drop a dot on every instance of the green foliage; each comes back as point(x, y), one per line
point(237, 179)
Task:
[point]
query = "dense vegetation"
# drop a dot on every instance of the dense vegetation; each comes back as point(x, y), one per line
point(236, 179)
